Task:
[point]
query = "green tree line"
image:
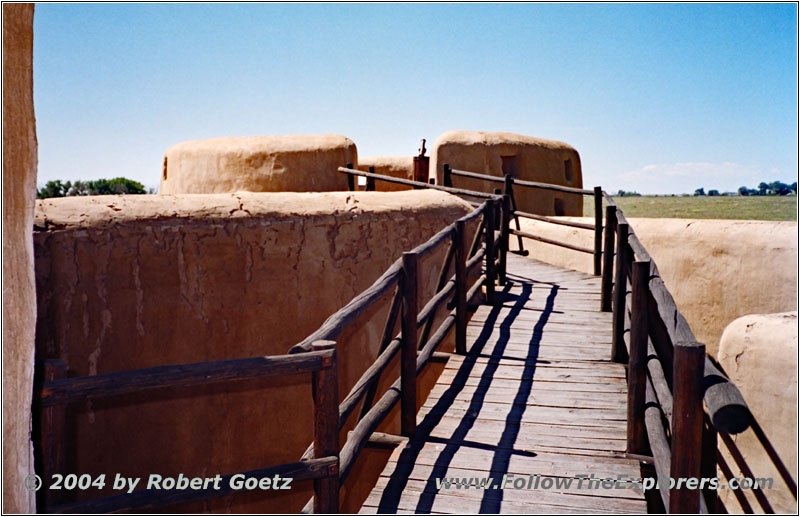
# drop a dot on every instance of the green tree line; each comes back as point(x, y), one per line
point(57, 188)
point(776, 188)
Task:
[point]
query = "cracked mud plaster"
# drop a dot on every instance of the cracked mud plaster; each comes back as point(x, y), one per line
point(192, 278)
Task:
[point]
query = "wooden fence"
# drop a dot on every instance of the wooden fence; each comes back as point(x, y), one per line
point(53, 391)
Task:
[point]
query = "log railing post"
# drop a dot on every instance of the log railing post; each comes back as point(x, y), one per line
point(51, 435)
point(408, 357)
point(370, 181)
point(459, 245)
point(490, 251)
point(687, 424)
point(505, 222)
point(637, 360)
point(598, 229)
point(325, 393)
point(351, 180)
point(608, 258)
point(447, 178)
point(620, 291)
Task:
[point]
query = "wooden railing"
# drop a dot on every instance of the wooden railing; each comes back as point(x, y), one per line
point(670, 378)
point(416, 342)
point(54, 390)
point(509, 182)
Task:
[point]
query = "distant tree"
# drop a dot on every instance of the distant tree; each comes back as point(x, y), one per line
point(625, 193)
point(793, 187)
point(743, 191)
point(763, 189)
point(54, 188)
point(700, 192)
point(713, 192)
point(57, 188)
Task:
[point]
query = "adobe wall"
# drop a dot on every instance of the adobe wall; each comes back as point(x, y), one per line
point(290, 163)
point(395, 166)
point(759, 353)
point(717, 270)
point(524, 157)
point(19, 301)
point(137, 281)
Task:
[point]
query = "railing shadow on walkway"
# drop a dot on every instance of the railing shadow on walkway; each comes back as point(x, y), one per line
point(504, 448)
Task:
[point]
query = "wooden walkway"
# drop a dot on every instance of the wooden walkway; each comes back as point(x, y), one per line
point(536, 394)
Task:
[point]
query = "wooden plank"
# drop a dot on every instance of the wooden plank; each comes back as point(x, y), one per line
point(532, 431)
point(589, 500)
point(448, 378)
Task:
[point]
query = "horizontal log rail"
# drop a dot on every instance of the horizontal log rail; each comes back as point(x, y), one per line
point(523, 183)
point(412, 183)
point(551, 241)
point(64, 391)
point(551, 220)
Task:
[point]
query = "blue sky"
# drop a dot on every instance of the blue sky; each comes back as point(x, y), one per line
point(658, 98)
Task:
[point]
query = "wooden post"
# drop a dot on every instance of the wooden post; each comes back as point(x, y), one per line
point(598, 229)
point(687, 424)
point(370, 181)
point(448, 180)
point(608, 259)
point(325, 392)
point(637, 360)
point(505, 222)
point(351, 180)
point(620, 290)
point(51, 436)
point(459, 245)
point(490, 252)
point(408, 358)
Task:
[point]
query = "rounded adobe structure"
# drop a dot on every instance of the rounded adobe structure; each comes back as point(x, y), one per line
point(290, 163)
point(524, 157)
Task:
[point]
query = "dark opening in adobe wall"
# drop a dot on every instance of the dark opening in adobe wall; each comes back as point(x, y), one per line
point(510, 165)
point(568, 170)
point(558, 206)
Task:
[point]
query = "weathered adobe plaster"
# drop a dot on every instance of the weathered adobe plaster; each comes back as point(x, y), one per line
point(19, 294)
point(287, 163)
point(129, 282)
point(715, 269)
point(395, 166)
point(524, 157)
point(759, 353)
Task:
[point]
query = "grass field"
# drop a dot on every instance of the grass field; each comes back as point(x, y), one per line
point(758, 208)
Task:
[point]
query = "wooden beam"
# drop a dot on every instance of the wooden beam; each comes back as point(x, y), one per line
point(637, 359)
point(408, 354)
point(687, 425)
point(325, 392)
point(607, 283)
point(598, 230)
